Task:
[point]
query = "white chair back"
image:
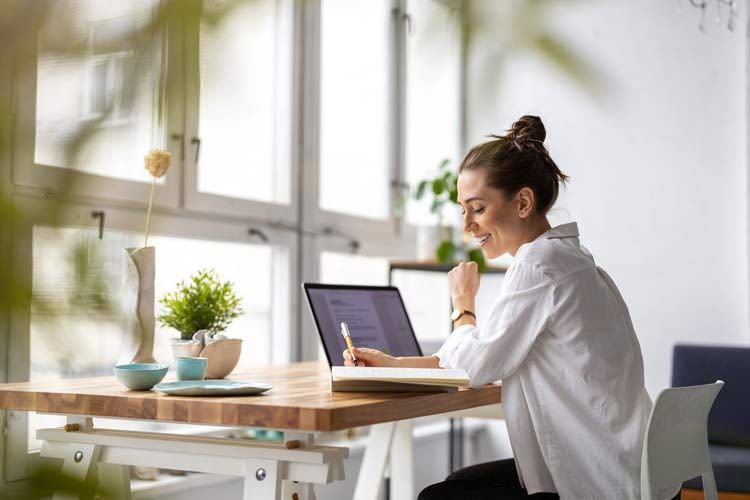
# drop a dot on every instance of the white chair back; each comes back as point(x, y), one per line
point(675, 447)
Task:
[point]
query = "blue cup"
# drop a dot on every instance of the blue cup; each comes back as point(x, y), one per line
point(191, 368)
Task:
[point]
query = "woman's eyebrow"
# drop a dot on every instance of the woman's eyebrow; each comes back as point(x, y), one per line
point(473, 198)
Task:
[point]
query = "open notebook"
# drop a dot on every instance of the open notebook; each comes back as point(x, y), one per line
point(356, 379)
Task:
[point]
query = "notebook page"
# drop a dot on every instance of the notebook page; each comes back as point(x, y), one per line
point(406, 374)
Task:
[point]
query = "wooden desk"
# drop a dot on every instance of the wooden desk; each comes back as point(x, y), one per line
point(299, 404)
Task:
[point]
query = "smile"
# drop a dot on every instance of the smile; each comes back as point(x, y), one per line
point(482, 239)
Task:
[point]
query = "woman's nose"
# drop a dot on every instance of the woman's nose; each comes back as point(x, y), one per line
point(468, 223)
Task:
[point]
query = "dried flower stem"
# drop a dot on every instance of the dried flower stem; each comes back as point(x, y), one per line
point(157, 163)
point(148, 214)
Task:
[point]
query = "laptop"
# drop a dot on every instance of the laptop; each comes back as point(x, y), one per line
point(376, 317)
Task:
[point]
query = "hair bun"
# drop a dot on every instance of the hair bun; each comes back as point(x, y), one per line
point(526, 128)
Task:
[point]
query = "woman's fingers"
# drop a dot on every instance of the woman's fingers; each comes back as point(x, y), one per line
point(368, 357)
point(360, 355)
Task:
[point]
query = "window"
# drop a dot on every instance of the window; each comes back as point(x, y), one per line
point(289, 124)
point(103, 89)
point(433, 108)
point(427, 299)
point(355, 111)
point(77, 331)
point(244, 71)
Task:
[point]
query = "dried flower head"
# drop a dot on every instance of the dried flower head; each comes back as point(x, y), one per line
point(157, 162)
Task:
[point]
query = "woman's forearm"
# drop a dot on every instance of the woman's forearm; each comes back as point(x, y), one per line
point(418, 362)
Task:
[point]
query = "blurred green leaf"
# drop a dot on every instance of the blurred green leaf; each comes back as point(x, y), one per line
point(568, 62)
point(445, 252)
point(438, 186)
point(421, 187)
point(476, 255)
point(436, 206)
point(453, 195)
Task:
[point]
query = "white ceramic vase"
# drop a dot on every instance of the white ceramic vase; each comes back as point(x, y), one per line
point(138, 306)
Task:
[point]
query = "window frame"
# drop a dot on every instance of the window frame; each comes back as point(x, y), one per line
point(47, 180)
point(37, 211)
point(285, 137)
point(302, 230)
point(389, 228)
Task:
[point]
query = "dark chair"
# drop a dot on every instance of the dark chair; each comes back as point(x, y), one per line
point(729, 420)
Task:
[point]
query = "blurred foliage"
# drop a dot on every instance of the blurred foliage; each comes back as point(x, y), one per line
point(526, 30)
point(443, 188)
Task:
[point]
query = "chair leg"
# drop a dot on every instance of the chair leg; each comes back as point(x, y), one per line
point(709, 485)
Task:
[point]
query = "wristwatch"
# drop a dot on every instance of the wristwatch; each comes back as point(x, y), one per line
point(457, 313)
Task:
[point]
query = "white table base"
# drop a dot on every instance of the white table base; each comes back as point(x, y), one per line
point(270, 470)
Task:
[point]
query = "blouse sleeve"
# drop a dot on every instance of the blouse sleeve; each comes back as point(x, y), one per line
point(496, 350)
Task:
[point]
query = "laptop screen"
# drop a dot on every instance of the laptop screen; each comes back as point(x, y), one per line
point(376, 317)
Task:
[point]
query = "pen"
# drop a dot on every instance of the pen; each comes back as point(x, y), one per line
point(348, 339)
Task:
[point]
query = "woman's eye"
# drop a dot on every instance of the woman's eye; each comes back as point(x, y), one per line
point(477, 211)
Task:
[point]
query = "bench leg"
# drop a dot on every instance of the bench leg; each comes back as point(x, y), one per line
point(79, 466)
point(295, 490)
point(262, 480)
point(114, 481)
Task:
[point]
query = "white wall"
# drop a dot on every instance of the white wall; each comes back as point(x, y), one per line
point(659, 183)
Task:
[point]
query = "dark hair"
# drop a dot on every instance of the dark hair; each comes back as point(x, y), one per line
point(517, 160)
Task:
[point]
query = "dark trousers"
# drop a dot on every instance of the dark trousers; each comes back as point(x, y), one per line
point(489, 481)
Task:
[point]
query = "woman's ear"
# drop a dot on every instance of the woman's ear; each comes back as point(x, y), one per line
point(525, 202)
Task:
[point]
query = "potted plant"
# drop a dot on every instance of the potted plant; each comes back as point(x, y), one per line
point(439, 240)
point(200, 309)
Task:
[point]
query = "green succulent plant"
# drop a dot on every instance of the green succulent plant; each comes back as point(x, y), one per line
point(203, 303)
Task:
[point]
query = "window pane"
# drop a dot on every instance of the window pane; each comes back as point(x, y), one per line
point(242, 69)
point(354, 107)
point(347, 269)
point(76, 274)
point(432, 97)
point(92, 77)
point(428, 301)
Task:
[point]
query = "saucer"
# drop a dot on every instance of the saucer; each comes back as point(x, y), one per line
point(212, 388)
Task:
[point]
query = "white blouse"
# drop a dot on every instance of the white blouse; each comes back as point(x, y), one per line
point(561, 340)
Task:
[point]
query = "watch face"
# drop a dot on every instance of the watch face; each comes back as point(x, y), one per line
point(456, 314)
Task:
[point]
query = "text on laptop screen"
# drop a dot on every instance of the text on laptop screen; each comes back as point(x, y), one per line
point(376, 319)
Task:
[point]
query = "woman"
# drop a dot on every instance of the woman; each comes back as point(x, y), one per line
point(559, 337)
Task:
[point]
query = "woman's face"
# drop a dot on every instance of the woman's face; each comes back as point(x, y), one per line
point(489, 216)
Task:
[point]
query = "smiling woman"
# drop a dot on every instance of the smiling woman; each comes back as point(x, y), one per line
point(559, 336)
point(511, 174)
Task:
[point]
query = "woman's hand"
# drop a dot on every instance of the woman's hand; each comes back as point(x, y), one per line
point(464, 285)
point(369, 357)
